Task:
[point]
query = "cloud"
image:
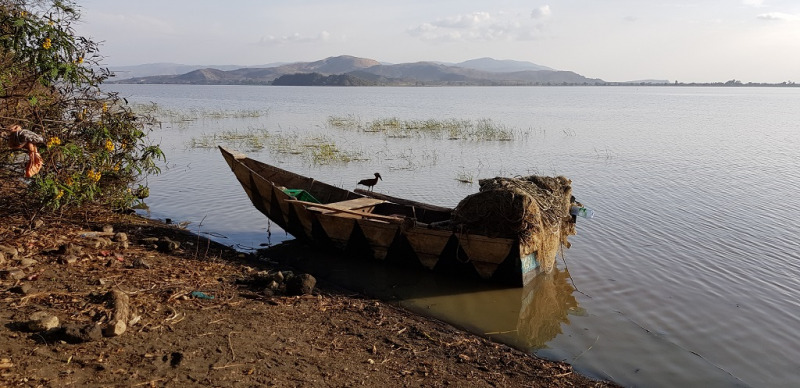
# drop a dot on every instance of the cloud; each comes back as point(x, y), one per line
point(473, 20)
point(294, 38)
point(484, 26)
point(753, 3)
point(779, 16)
point(542, 12)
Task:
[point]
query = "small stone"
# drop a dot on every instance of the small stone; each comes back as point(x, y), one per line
point(165, 245)
point(68, 259)
point(23, 289)
point(70, 249)
point(273, 285)
point(75, 333)
point(27, 262)
point(9, 252)
point(140, 263)
point(108, 228)
point(5, 363)
point(149, 240)
point(37, 224)
point(13, 274)
point(99, 242)
point(302, 284)
point(120, 237)
point(42, 321)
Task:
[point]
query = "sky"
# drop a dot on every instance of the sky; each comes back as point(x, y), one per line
point(614, 40)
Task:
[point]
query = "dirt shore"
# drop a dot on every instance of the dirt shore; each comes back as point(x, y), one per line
point(95, 298)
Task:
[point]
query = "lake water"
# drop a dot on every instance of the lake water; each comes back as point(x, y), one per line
point(688, 274)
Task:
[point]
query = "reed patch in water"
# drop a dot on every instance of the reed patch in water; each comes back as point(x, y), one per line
point(451, 129)
point(316, 149)
point(193, 114)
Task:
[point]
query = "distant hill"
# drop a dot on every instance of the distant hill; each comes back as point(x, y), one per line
point(363, 71)
point(500, 66)
point(154, 69)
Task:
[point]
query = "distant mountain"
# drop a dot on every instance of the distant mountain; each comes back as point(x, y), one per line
point(363, 71)
point(500, 66)
point(153, 69)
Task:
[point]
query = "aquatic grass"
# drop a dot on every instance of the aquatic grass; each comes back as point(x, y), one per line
point(465, 177)
point(316, 149)
point(250, 140)
point(451, 129)
point(344, 122)
point(194, 114)
point(325, 152)
point(409, 159)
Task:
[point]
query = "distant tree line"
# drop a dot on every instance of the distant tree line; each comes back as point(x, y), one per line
point(316, 79)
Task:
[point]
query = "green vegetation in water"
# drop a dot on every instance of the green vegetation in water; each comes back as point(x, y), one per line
point(452, 129)
point(316, 149)
point(193, 114)
point(465, 177)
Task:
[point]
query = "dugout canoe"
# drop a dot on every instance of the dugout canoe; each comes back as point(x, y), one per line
point(390, 229)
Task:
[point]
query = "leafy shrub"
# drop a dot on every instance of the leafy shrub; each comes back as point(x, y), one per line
point(96, 147)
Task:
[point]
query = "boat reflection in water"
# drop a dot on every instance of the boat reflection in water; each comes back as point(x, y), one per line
point(523, 317)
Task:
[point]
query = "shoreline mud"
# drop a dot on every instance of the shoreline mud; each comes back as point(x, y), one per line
point(95, 298)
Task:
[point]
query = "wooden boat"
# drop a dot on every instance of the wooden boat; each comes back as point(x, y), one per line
point(394, 230)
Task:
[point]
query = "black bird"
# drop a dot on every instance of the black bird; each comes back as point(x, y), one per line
point(370, 182)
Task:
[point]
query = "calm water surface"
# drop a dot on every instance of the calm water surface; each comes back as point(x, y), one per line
point(688, 274)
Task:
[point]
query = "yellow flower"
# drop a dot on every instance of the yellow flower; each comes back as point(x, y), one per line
point(116, 167)
point(105, 107)
point(109, 145)
point(23, 14)
point(59, 194)
point(54, 141)
point(47, 44)
point(79, 60)
point(69, 181)
point(95, 176)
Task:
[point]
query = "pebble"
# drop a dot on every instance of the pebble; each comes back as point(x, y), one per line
point(23, 289)
point(165, 245)
point(70, 249)
point(120, 237)
point(99, 242)
point(68, 259)
point(75, 333)
point(42, 321)
point(302, 284)
point(27, 262)
point(9, 252)
point(108, 228)
point(140, 263)
point(13, 274)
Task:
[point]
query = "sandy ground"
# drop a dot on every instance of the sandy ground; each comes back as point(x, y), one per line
point(141, 303)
